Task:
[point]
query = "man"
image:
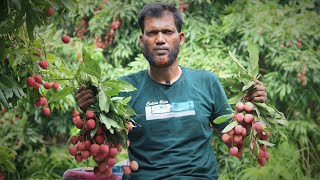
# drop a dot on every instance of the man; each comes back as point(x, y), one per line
point(175, 105)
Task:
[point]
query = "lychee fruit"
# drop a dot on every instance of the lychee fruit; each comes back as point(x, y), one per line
point(43, 64)
point(65, 39)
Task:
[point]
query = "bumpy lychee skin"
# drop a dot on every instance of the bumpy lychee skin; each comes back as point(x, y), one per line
point(47, 85)
point(94, 149)
point(55, 86)
point(73, 150)
point(81, 146)
point(248, 106)
point(238, 129)
point(111, 162)
point(240, 106)
point(234, 151)
point(78, 157)
point(85, 154)
point(113, 152)
point(65, 39)
point(248, 118)
point(226, 138)
point(239, 117)
point(79, 124)
point(89, 114)
point(38, 79)
point(99, 139)
point(258, 126)
point(46, 112)
point(134, 166)
point(90, 124)
point(126, 170)
point(43, 64)
point(74, 140)
point(31, 82)
point(104, 148)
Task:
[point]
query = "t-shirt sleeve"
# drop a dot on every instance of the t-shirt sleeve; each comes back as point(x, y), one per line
point(219, 106)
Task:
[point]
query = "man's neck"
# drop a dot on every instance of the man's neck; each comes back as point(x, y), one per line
point(166, 75)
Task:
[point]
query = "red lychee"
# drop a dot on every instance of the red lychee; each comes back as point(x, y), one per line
point(46, 112)
point(43, 64)
point(65, 39)
point(50, 12)
point(55, 85)
point(134, 165)
point(46, 85)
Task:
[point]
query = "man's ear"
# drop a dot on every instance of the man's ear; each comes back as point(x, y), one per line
point(140, 40)
point(181, 35)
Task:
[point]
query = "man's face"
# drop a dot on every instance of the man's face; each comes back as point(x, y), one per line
point(160, 41)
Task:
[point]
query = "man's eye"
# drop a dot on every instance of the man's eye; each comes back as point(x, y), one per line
point(151, 33)
point(168, 32)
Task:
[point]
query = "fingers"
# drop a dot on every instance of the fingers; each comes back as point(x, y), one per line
point(258, 93)
point(258, 96)
point(84, 97)
point(84, 94)
point(84, 105)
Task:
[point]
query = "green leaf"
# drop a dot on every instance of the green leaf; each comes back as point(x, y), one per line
point(126, 87)
point(247, 86)
point(91, 66)
point(108, 122)
point(68, 4)
point(233, 57)
point(223, 118)
point(126, 100)
point(129, 111)
point(235, 99)
point(265, 142)
point(3, 100)
point(6, 81)
point(89, 71)
point(230, 126)
point(283, 122)
point(61, 94)
point(50, 57)
point(253, 68)
point(9, 165)
point(104, 101)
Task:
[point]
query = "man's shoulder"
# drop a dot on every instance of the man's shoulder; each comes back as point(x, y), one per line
point(199, 73)
point(134, 76)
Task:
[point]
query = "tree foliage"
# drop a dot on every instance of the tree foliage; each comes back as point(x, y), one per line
point(287, 33)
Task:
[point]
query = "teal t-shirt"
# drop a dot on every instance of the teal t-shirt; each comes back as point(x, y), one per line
point(173, 137)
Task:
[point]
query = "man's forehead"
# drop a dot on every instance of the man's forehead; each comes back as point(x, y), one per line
point(165, 20)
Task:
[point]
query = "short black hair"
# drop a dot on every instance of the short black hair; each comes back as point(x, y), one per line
point(157, 10)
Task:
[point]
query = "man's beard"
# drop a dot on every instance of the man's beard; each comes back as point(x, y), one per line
point(162, 61)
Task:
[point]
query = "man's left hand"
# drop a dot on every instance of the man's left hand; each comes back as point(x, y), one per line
point(257, 94)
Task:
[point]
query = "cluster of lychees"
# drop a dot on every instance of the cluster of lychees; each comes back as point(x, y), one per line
point(303, 78)
point(108, 38)
point(290, 44)
point(247, 124)
point(98, 146)
point(84, 27)
point(110, 35)
point(35, 82)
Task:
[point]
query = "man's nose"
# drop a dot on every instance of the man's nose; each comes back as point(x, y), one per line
point(160, 39)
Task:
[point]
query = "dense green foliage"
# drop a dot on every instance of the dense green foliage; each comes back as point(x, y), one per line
point(287, 32)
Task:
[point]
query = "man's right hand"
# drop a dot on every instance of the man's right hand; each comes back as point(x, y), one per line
point(85, 98)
